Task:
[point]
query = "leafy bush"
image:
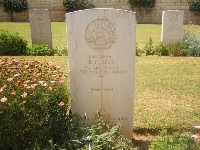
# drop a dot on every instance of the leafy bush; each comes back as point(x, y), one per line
point(148, 49)
point(138, 51)
point(103, 136)
point(12, 44)
point(74, 5)
point(142, 7)
point(39, 50)
point(175, 142)
point(60, 52)
point(176, 49)
point(142, 3)
point(191, 42)
point(161, 50)
point(14, 5)
point(194, 5)
point(33, 105)
point(11, 6)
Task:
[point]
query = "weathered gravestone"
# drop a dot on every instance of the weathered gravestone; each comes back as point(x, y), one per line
point(40, 26)
point(172, 23)
point(101, 49)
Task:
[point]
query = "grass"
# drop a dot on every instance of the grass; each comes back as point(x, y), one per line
point(167, 89)
point(167, 92)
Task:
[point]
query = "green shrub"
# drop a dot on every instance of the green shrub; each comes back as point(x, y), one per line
point(142, 3)
point(39, 50)
point(176, 49)
point(138, 51)
point(33, 105)
point(14, 5)
point(74, 5)
point(12, 44)
point(11, 6)
point(142, 7)
point(148, 49)
point(175, 142)
point(161, 50)
point(104, 136)
point(194, 5)
point(191, 42)
point(60, 52)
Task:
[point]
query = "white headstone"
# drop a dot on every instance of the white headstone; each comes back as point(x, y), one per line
point(40, 26)
point(101, 50)
point(172, 23)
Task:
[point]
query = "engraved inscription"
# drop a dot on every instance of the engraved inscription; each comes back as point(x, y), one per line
point(39, 16)
point(173, 17)
point(100, 34)
point(173, 28)
point(101, 65)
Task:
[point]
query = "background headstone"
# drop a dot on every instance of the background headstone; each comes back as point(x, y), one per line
point(172, 23)
point(101, 50)
point(40, 27)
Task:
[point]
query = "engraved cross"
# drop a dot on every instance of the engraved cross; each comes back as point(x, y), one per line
point(102, 89)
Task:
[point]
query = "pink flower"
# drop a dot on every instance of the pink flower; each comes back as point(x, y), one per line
point(1, 90)
point(4, 99)
point(61, 104)
point(197, 127)
point(40, 82)
point(53, 75)
point(24, 95)
point(50, 88)
point(1, 63)
point(61, 81)
point(52, 82)
point(27, 81)
point(16, 75)
point(26, 66)
point(10, 79)
point(38, 75)
point(34, 85)
point(45, 84)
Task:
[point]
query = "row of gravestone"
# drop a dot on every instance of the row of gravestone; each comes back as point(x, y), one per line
point(101, 51)
point(172, 22)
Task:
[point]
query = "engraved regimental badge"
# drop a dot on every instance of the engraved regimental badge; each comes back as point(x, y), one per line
point(100, 34)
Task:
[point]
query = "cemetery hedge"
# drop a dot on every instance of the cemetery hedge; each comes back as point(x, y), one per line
point(74, 5)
